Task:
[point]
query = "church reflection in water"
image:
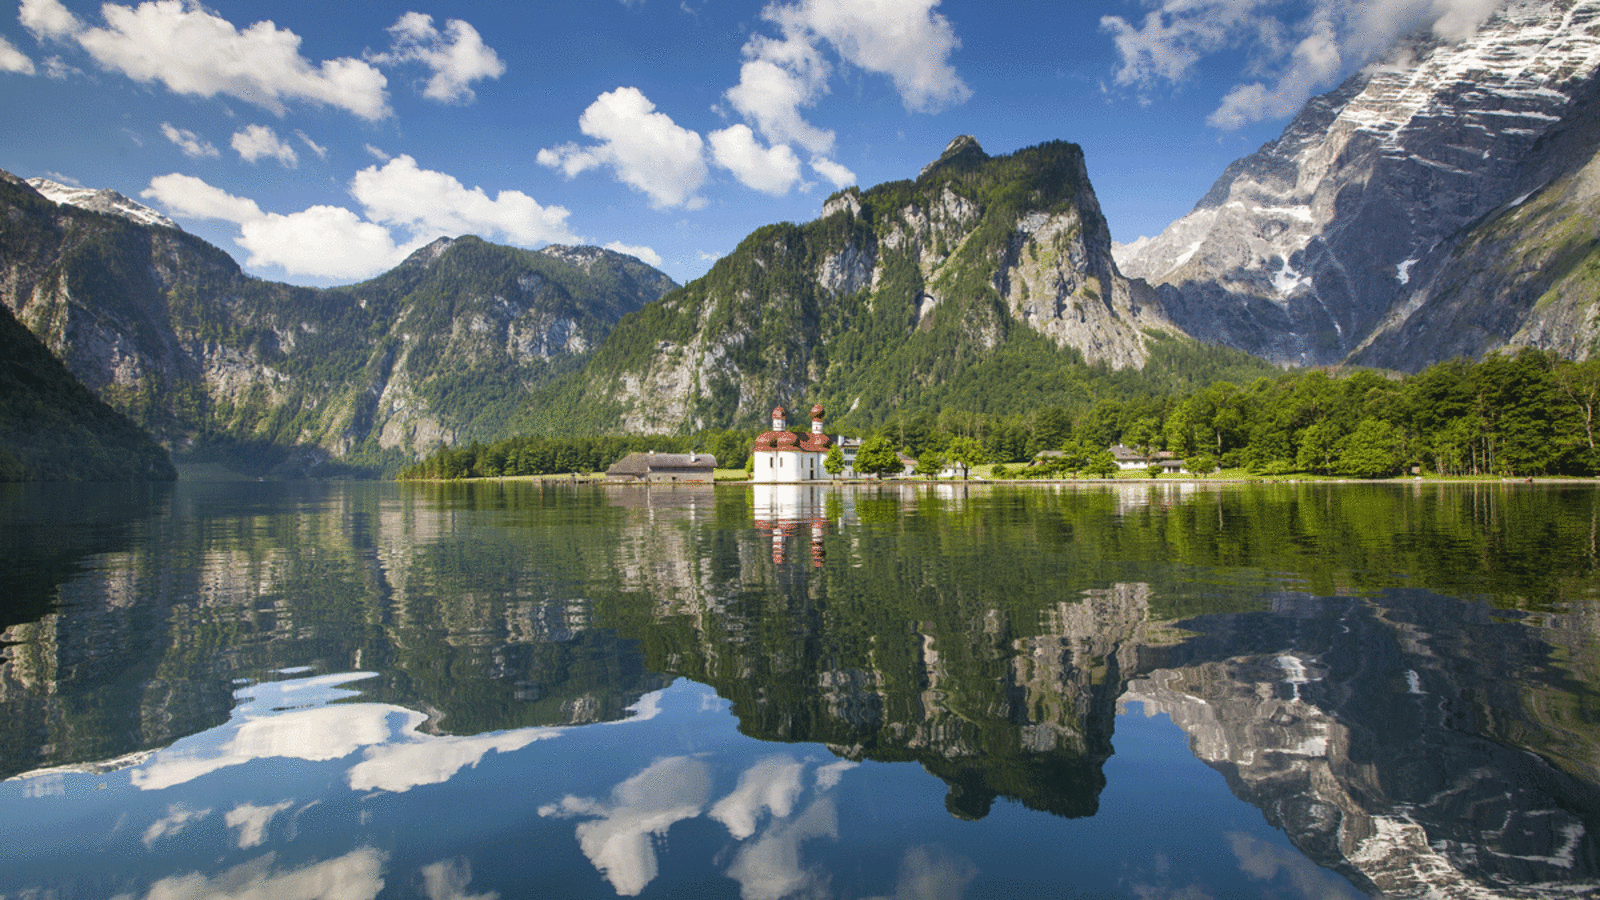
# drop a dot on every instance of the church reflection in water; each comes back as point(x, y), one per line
point(782, 511)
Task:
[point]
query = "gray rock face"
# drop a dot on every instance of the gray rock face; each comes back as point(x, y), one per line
point(1303, 251)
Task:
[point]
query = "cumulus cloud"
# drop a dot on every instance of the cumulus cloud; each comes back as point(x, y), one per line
point(332, 242)
point(420, 760)
point(48, 19)
point(14, 60)
point(770, 867)
point(178, 818)
point(430, 204)
point(355, 876)
point(903, 39)
point(644, 254)
point(189, 197)
point(1288, 60)
point(257, 142)
point(782, 76)
point(189, 142)
point(827, 168)
point(192, 51)
point(328, 242)
point(770, 170)
point(252, 821)
point(620, 838)
point(457, 56)
point(770, 785)
point(645, 148)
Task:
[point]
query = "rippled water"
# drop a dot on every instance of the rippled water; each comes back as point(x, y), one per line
point(1153, 690)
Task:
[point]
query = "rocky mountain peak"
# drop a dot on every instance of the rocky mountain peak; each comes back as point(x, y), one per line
point(960, 154)
point(425, 256)
point(101, 201)
point(1301, 250)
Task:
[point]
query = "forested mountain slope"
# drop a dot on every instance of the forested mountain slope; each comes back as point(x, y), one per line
point(52, 428)
point(985, 285)
point(167, 329)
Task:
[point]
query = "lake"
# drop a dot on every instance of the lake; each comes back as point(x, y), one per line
point(1152, 690)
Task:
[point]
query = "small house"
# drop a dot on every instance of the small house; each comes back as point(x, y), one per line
point(658, 468)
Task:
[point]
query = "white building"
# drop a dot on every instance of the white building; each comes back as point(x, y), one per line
point(781, 456)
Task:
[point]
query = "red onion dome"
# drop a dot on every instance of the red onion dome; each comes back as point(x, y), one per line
point(816, 411)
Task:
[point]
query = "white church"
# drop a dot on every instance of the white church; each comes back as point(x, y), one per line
point(781, 456)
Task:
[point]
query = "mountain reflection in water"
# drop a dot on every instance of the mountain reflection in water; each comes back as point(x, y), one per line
point(1401, 679)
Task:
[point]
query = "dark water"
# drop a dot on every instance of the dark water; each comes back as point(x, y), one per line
point(378, 690)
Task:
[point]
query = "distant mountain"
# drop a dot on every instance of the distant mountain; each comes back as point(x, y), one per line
point(1441, 202)
point(100, 201)
point(986, 285)
point(52, 428)
point(166, 328)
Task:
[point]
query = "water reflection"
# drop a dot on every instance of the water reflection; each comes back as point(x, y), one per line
point(1402, 680)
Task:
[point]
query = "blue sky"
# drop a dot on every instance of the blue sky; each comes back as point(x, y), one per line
point(320, 142)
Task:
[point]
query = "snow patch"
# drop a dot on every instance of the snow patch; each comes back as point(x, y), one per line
point(1287, 280)
point(1402, 272)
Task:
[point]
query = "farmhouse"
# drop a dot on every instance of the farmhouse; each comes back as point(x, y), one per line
point(656, 467)
point(782, 456)
point(1129, 459)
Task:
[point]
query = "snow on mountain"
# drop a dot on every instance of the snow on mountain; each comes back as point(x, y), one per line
point(1300, 250)
point(101, 201)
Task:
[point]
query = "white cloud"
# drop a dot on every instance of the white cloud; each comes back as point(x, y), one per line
point(777, 80)
point(1288, 60)
point(645, 148)
point(189, 142)
point(770, 868)
point(57, 68)
point(619, 838)
point(770, 170)
point(178, 818)
point(48, 19)
point(193, 51)
point(188, 197)
point(903, 39)
point(328, 242)
point(378, 154)
point(448, 880)
point(355, 876)
point(457, 56)
point(313, 146)
point(331, 242)
point(252, 821)
point(420, 760)
point(644, 254)
point(14, 60)
point(827, 168)
point(258, 142)
point(772, 784)
point(430, 204)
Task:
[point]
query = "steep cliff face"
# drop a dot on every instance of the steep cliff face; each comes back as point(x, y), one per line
point(894, 290)
point(52, 428)
point(1359, 218)
point(167, 329)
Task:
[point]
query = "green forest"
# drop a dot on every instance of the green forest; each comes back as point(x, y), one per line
point(1526, 414)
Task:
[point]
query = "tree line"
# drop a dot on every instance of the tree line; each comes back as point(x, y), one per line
point(1523, 414)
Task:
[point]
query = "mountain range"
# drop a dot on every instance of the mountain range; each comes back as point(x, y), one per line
point(1444, 201)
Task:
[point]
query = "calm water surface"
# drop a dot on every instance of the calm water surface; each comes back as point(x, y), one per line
point(473, 691)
